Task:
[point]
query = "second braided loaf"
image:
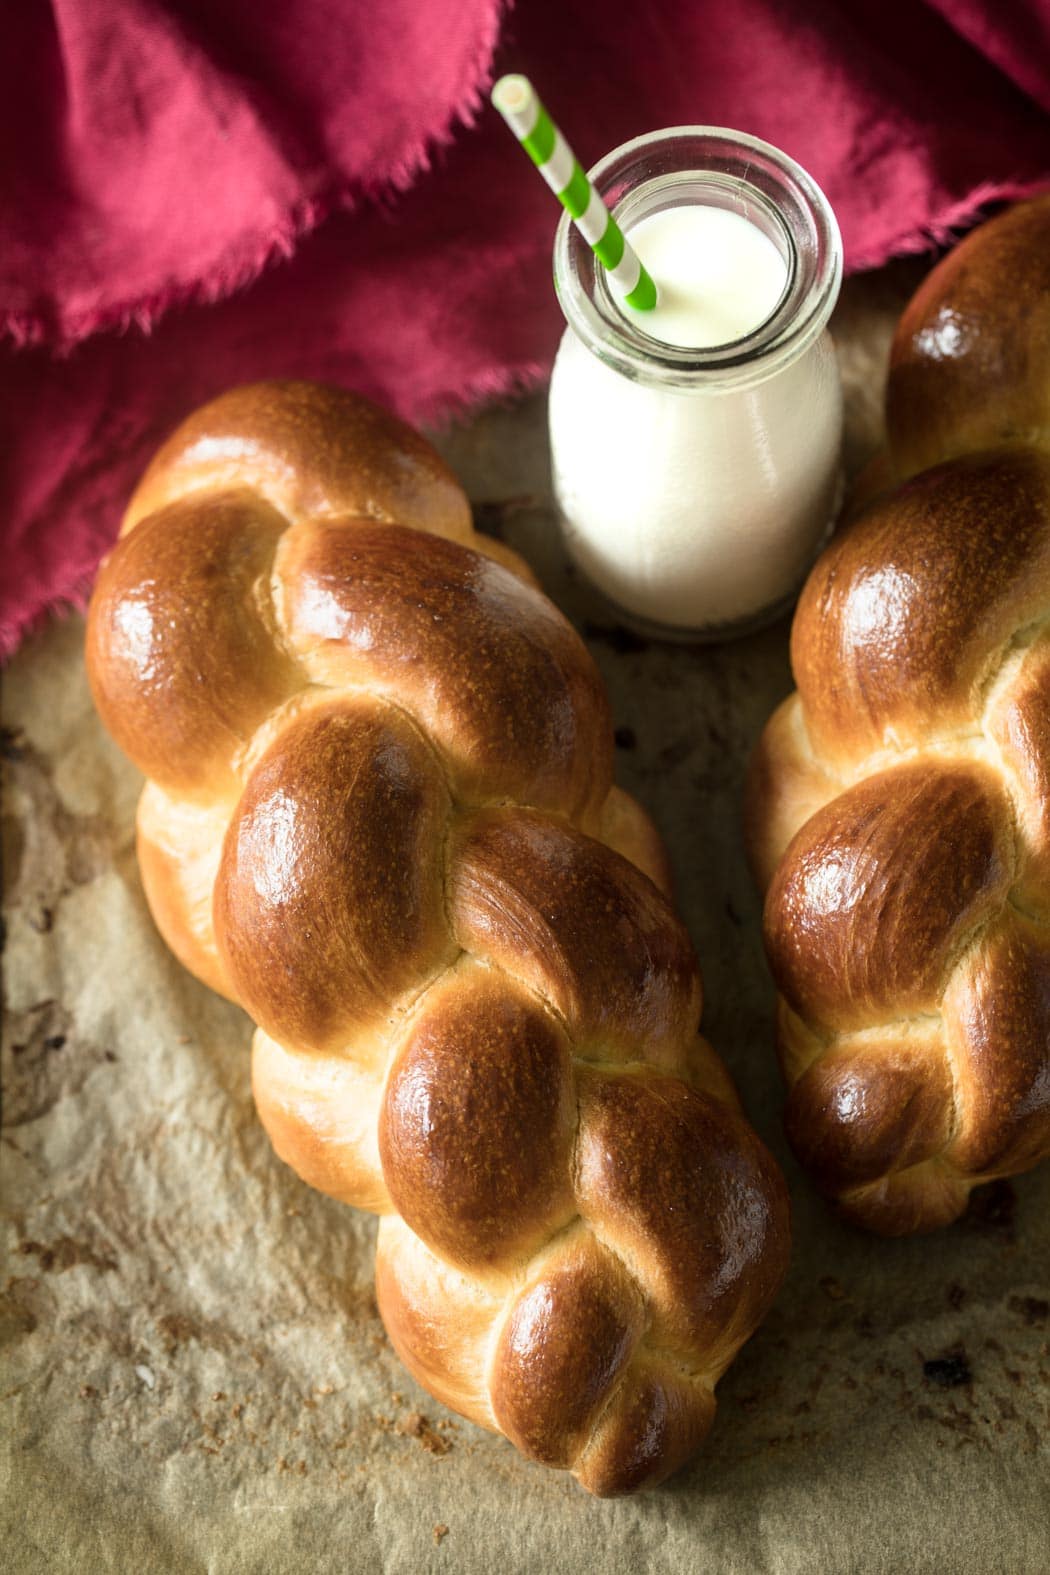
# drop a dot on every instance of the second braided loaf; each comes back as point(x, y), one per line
point(899, 810)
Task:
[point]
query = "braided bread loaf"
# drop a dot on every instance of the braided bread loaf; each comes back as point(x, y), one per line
point(380, 815)
point(899, 802)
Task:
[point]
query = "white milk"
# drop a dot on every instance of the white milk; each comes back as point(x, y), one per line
point(695, 507)
point(719, 275)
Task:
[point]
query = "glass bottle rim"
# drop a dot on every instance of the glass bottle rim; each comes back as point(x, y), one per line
point(731, 169)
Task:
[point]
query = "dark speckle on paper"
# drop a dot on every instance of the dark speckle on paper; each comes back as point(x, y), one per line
point(68, 1253)
point(950, 1371)
point(1035, 1310)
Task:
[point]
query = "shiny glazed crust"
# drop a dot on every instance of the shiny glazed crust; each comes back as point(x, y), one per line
point(380, 815)
point(899, 803)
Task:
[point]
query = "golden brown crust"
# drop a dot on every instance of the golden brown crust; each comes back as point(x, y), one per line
point(968, 368)
point(310, 451)
point(662, 1418)
point(580, 925)
point(181, 652)
point(494, 676)
point(382, 819)
point(899, 804)
point(549, 1385)
point(881, 889)
point(997, 1022)
point(924, 1198)
point(1017, 722)
point(314, 935)
point(891, 631)
point(638, 1178)
point(476, 1201)
point(874, 1103)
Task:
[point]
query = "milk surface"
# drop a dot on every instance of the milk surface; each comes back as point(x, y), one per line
point(718, 276)
point(697, 508)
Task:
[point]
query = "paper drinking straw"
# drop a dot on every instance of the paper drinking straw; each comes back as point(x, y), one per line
point(519, 104)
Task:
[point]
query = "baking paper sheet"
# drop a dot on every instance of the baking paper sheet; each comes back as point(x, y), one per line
point(195, 1377)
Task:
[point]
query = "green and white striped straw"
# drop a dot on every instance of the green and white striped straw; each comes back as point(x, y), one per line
point(519, 104)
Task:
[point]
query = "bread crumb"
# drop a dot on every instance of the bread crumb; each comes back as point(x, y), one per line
point(415, 1425)
point(439, 1532)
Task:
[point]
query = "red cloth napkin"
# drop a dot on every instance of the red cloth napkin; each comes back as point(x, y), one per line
point(199, 192)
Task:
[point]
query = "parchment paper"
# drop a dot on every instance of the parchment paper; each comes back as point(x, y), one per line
point(195, 1377)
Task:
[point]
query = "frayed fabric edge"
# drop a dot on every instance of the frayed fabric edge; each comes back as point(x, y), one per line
point(246, 261)
point(508, 382)
point(947, 225)
point(30, 330)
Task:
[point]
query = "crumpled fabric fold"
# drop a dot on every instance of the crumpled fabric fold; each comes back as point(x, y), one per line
point(195, 193)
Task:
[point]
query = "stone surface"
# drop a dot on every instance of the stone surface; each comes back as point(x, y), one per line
point(194, 1373)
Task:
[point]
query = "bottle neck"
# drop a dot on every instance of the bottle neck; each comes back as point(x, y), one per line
point(689, 165)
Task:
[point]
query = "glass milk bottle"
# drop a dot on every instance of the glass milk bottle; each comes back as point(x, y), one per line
point(696, 448)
